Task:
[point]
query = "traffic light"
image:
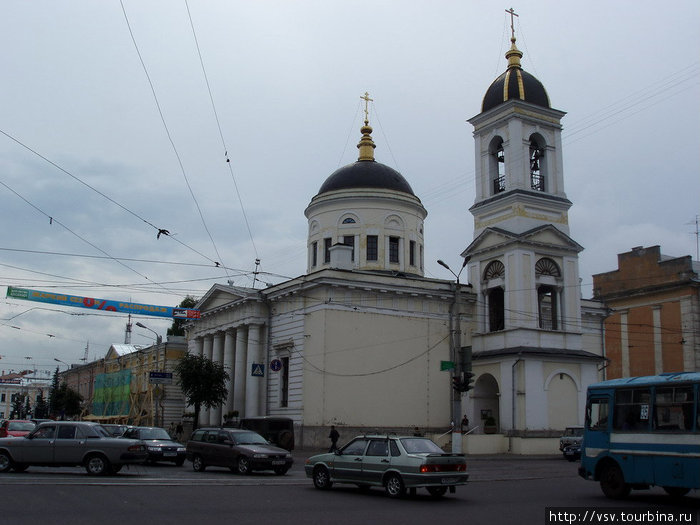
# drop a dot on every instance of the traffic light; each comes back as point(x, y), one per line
point(468, 380)
point(457, 383)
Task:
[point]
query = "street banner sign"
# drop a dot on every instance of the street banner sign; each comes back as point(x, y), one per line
point(101, 304)
point(160, 378)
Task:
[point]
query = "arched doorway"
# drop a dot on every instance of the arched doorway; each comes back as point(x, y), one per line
point(485, 402)
point(562, 401)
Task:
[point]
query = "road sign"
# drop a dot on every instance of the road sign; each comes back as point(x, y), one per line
point(447, 365)
point(160, 378)
point(258, 370)
point(275, 365)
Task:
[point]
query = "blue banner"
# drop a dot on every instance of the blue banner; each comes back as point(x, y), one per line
point(101, 304)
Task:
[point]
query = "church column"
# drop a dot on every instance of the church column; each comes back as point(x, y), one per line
point(254, 384)
point(197, 346)
point(217, 357)
point(229, 366)
point(240, 370)
point(207, 351)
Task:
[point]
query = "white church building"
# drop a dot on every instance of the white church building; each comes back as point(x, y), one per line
point(361, 341)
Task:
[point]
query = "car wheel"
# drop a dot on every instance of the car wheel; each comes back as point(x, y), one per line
point(437, 492)
point(322, 478)
point(243, 465)
point(198, 464)
point(97, 465)
point(394, 486)
point(19, 467)
point(5, 462)
point(281, 471)
point(612, 482)
point(676, 492)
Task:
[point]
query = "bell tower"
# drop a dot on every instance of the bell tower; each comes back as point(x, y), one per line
point(523, 263)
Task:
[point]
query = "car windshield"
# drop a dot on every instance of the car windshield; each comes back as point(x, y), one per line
point(153, 433)
point(249, 438)
point(421, 446)
point(20, 425)
point(573, 431)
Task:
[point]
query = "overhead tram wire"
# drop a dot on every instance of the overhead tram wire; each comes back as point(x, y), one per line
point(170, 139)
point(54, 220)
point(221, 134)
point(102, 194)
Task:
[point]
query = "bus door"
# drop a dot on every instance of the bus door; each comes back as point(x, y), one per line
point(596, 437)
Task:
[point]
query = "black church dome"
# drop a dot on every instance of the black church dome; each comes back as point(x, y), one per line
point(366, 174)
point(515, 84)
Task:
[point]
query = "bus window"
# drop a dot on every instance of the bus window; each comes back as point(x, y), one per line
point(673, 409)
point(597, 414)
point(632, 409)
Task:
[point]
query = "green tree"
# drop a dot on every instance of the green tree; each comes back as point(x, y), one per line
point(203, 382)
point(41, 408)
point(53, 394)
point(63, 400)
point(177, 327)
point(17, 409)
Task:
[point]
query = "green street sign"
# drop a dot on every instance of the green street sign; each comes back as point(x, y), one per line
point(447, 365)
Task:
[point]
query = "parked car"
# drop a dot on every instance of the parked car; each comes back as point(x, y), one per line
point(242, 451)
point(277, 430)
point(572, 452)
point(16, 427)
point(70, 443)
point(159, 444)
point(571, 436)
point(394, 462)
point(114, 429)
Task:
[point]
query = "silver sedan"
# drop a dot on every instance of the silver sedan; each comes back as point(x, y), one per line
point(70, 443)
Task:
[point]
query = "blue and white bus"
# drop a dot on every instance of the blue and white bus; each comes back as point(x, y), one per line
point(642, 432)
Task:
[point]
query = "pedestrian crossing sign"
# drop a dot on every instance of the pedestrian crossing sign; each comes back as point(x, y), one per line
point(258, 370)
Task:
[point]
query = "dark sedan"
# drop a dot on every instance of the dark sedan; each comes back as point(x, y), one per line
point(70, 443)
point(242, 451)
point(159, 444)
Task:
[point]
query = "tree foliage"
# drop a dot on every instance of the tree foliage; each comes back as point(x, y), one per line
point(203, 382)
point(63, 400)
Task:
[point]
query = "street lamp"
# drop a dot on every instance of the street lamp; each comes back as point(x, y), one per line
point(458, 379)
point(62, 362)
point(159, 339)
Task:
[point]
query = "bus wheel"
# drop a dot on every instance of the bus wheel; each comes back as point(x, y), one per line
point(612, 482)
point(676, 492)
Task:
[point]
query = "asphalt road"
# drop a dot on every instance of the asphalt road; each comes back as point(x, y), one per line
point(502, 490)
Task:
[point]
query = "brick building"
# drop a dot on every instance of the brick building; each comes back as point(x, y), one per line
point(654, 321)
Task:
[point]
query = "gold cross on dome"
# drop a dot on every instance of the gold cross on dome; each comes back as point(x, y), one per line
point(367, 101)
point(512, 13)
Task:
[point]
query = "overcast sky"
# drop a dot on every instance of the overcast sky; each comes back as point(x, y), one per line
point(93, 164)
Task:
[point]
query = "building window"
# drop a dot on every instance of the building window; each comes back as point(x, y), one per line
point(496, 298)
point(314, 253)
point(2, 398)
point(421, 256)
point(548, 311)
point(497, 170)
point(284, 378)
point(349, 220)
point(372, 248)
point(349, 240)
point(394, 250)
point(412, 253)
point(327, 249)
point(536, 171)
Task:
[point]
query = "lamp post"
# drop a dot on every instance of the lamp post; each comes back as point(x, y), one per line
point(62, 362)
point(159, 339)
point(159, 393)
point(457, 380)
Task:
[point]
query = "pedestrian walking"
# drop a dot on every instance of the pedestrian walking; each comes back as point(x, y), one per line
point(334, 439)
point(171, 429)
point(179, 431)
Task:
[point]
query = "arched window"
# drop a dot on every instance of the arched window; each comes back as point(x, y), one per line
point(495, 297)
point(497, 170)
point(537, 174)
point(348, 220)
point(547, 294)
point(494, 270)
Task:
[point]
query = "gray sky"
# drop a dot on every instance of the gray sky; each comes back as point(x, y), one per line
point(89, 170)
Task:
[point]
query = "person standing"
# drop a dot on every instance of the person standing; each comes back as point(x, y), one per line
point(334, 435)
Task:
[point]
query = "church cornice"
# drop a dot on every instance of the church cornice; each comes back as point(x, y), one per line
point(524, 110)
point(528, 238)
point(515, 194)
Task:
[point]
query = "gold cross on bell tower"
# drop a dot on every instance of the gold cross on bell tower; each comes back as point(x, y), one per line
point(512, 13)
point(367, 101)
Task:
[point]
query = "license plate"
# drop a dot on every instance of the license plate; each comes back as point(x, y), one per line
point(170, 454)
point(278, 462)
point(449, 481)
